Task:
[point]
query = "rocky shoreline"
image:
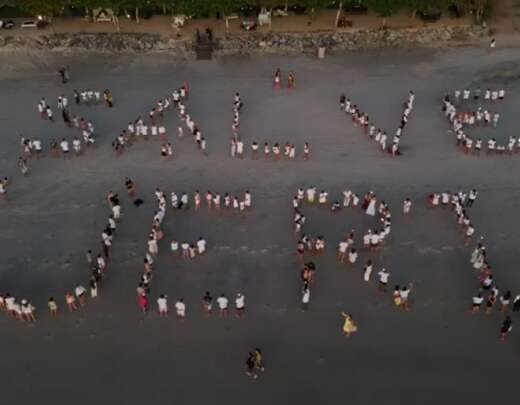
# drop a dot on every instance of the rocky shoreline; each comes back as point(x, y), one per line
point(251, 43)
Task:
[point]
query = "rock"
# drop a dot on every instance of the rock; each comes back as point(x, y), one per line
point(281, 43)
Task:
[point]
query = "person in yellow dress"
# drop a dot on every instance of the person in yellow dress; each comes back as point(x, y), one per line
point(349, 326)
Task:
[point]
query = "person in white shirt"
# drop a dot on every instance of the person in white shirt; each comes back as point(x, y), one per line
point(322, 198)
point(404, 294)
point(407, 206)
point(76, 145)
point(201, 246)
point(64, 144)
point(311, 194)
point(184, 201)
point(247, 199)
point(27, 310)
point(100, 260)
point(180, 309)
point(383, 279)
point(222, 302)
point(352, 257)
point(153, 247)
point(41, 109)
point(81, 294)
point(342, 250)
point(162, 305)
point(240, 305)
point(37, 145)
point(374, 241)
point(185, 249)
point(9, 304)
point(367, 271)
point(476, 303)
point(162, 132)
point(306, 297)
point(472, 197)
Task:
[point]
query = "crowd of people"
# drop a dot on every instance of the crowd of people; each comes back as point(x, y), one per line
point(347, 253)
point(212, 200)
point(273, 152)
point(277, 80)
point(184, 249)
point(459, 202)
point(462, 114)
point(488, 293)
point(155, 128)
point(376, 134)
point(188, 250)
point(207, 304)
point(93, 97)
point(24, 311)
point(33, 147)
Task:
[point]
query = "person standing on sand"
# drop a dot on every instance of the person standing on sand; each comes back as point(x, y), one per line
point(383, 279)
point(142, 301)
point(162, 305)
point(109, 100)
point(277, 79)
point(207, 303)
point(130, 188)
point(3, 186)
point(291, 78)
point(367, 270)
point(22, 164)
point(476, 303)
point(404, 294)
point(180, 309)
point(259, 360)
point(53, 307)
point(250, 366)
point(222, 302)
point(71, 301)
point(306, 296)
point(407, 206)
point(240, 305)
point(349, 326)
point(516, 303)
point(64, 74)
point(507, 326)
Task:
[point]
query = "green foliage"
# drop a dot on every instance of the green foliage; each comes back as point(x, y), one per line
point(314, 6)
point(428, 5)
point(204, 8)
point(42, 7)
point(385, 8)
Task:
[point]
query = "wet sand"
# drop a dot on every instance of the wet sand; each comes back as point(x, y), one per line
point(109, 351)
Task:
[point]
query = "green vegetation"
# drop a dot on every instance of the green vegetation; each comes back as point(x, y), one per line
point(204, 8)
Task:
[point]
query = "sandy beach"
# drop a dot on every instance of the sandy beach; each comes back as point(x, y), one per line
point(109, 351)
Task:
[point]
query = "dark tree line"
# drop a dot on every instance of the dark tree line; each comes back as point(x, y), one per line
point(204, 8)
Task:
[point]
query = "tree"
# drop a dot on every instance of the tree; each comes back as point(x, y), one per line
point(479, 8)
point(313, 7)
point(384, 8)
point(427, 5)
point(46, 8)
